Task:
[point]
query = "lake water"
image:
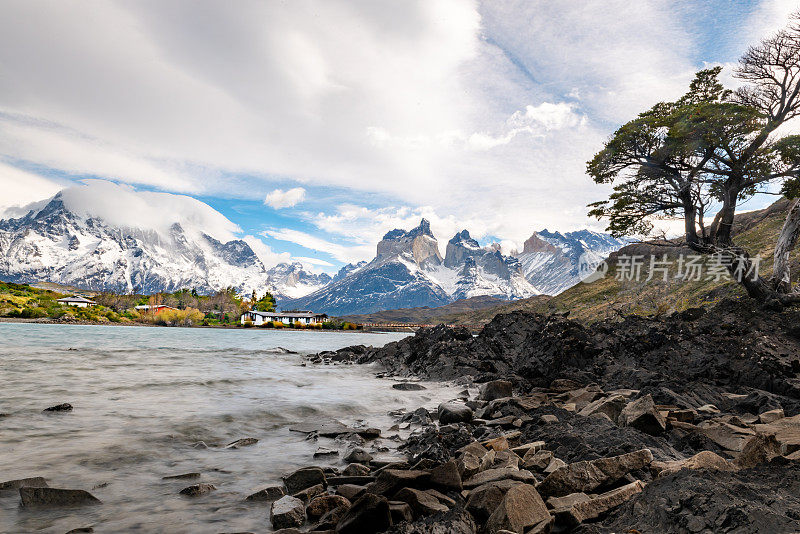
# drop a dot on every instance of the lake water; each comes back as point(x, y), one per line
point(143, 397)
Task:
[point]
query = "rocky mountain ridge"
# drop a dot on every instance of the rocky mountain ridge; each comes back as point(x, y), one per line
point(55, 244)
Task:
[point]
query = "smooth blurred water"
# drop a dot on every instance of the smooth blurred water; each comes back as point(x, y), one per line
point(143, 397)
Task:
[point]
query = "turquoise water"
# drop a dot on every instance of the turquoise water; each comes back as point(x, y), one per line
point(143, 397)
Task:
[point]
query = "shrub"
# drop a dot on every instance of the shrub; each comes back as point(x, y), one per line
point(33, 313)
point(248, 323)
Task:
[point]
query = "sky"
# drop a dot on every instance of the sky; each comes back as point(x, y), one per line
point(310, 129)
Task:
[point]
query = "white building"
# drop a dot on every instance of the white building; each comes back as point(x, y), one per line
point(79, 302)
point(302, 317)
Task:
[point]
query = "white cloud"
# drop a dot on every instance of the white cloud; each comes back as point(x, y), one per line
point(343, 253)
point(489, 109)
point(285, 199)
point(313, 261)
point(268, 257)
point(122, 205)
point(21, 188)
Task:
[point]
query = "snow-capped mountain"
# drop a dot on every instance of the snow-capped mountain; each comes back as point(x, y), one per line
point(55, 243)
point(553, 261)
point(409, 271)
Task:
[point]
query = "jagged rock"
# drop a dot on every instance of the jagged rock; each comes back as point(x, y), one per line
point(537, 461)
point(309, 493)
point(244, 442)
point(701, 460)
point(494, 475)
point(468, 464)
point(400, 511)
point(555, 465)
point(496, 389)
point(642, 414)
point(287, 512)
point(356, 470)
point(504, 459)
point(391, 480)
point(65, 407)
point(771, 416)
point(521, 508)
point(485, 499)
point(567, 501)
point(588, 475)
point(454, 413)
point(324, 451)
point(198, 489)
point(32, 482)
point(761, 499)
point(593, 508)
point(358, 456)
point(446, 476)
point(41, 496)
point(786, 432)
point(759, 450)
point(611, 406)
point(548, 419)
point(727, 436)
point(350, 491)
point(329, 521)
point(368, 515)
point(497, 444)
point(272, 493)
point(456, 521)
point(304, 478)
point(533, 446)
point(322, 504)
point(422, 503)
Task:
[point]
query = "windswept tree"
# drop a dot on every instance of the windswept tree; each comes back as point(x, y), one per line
point(712, 147)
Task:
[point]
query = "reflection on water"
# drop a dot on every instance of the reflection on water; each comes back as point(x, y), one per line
point(144, 398)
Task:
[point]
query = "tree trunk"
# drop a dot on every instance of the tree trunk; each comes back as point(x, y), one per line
point(787, 240)
point(724, 230)
point(689, 219)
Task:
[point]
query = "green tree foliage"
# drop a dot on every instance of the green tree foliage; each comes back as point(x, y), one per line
point(265, 303)
point(711, 148)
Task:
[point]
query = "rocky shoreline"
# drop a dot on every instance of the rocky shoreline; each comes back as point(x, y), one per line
point(688, 423)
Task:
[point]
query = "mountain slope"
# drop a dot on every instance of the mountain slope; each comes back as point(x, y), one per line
point(608, 297)
point(58, 244)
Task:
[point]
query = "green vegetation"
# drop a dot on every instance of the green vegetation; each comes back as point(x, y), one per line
point(712, 148)
point(265, 303)
point(27, 302)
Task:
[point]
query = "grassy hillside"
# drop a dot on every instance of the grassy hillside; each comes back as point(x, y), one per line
point(609, 297)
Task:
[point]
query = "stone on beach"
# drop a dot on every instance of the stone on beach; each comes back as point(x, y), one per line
point(642, 414)
point(521, 508)
point(585, 510)
point(304, 478)
point(421, 502)
point(32, 482)
point(198, 489)
point(322, 504)
point(244, 442)
point(287, 512)
point(357, 455)
point(494, 475)
point(65, 407)
point(368, 515)
point(408, 386)
point(356, 470)
point(496, 389)
point(450, 412)
point(183, 476)
point(42, 496)
point(272, 493)
point(588, 475)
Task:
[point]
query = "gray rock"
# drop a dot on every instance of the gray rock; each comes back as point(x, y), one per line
point(304, 478)
point(391, 480)
point(287, 512)
point(611, 406)
point(66, 407)
point(322, 504)
point(585, 510)
point(494, 475)
point(183, 476)
point(496, 389)
point(446, 476)
point(522, 508)
point(485, 499)
point(642, 414)
point(422, 503)
point(33, 482)
point(358, 455)
point(408, 386)
point(589, 475)
point(368, 515)
point(323, 451)
point(450, 412)
point(356, 470)
point(31, 497)
point(198, 489)
point(272, 493)
point(244, 442)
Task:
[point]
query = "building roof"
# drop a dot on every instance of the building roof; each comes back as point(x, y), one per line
point(296, 315)
point(77, 299)
point(155, 306)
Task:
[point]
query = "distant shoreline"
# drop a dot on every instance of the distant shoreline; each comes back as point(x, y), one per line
point(19, 320)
